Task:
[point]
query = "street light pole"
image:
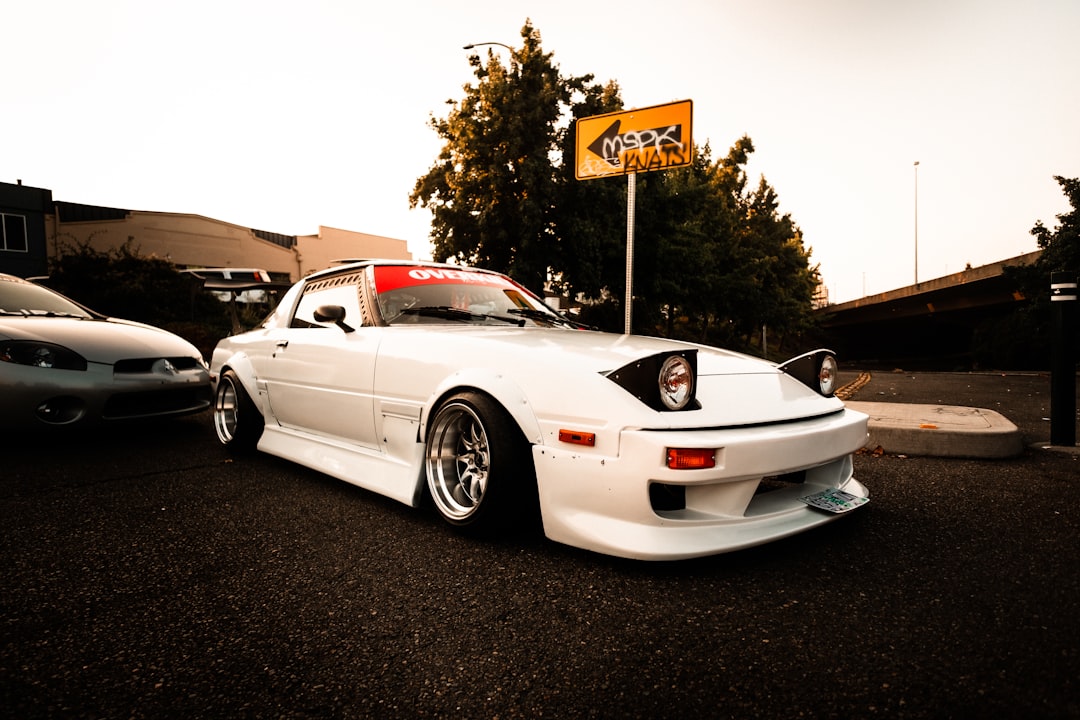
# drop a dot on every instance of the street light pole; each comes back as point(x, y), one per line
point(916, 222)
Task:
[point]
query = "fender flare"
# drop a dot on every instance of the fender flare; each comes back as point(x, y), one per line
point(503, 389)
point(240, 363)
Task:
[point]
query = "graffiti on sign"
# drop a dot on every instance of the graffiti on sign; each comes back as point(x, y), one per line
point(656, 138)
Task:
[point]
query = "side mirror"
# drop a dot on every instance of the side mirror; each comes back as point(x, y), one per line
point(334, 314)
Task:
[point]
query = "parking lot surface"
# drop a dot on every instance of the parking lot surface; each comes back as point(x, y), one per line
point(148, 574)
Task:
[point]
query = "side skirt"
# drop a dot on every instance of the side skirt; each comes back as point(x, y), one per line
point(399, 478)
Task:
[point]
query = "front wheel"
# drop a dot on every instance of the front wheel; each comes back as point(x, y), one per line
point(237, 421)
point(479, 471)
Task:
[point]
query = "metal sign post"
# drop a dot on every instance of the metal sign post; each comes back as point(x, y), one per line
point(629, 142)
point(631, 202)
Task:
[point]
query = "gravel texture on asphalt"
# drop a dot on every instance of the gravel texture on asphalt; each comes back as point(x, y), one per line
point(148, 574)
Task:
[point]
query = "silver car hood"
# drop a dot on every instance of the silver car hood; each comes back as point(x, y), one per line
point(99, 341)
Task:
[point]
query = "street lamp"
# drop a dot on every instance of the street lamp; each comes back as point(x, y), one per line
point(470, 46)
point(916, 222)
point(513, 59)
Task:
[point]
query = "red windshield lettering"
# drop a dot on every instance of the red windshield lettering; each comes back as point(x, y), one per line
point(391, 277)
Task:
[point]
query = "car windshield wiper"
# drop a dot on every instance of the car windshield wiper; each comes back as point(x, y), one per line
point(534, 314)
point(51, 313)
point(23, 312)
point(554, 319)
point(453, 313)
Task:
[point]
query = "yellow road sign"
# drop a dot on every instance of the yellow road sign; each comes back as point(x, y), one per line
point(631, 141)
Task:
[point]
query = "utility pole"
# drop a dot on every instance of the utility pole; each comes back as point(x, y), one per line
point(916, 222)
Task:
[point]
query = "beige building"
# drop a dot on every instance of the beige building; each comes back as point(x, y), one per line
point(193, 241)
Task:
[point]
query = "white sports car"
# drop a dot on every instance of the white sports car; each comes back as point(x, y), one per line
point(414, 379)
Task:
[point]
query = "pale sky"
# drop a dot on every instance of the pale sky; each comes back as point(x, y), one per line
point(287, 116)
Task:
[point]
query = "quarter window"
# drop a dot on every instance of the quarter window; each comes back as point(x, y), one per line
point(13, 233)
point(341, 290)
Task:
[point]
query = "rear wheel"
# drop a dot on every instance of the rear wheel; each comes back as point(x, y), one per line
point(237, 421)
point(479, 470)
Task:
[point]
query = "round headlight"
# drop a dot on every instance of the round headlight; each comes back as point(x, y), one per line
point(676, 382)
point(827, 375)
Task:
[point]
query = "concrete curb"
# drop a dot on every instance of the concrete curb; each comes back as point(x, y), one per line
point(940, 430)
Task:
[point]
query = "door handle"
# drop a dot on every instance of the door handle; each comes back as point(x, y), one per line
point(282, 344)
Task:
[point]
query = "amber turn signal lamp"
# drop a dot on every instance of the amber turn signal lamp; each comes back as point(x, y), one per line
point(576, 437)
point(691, 458)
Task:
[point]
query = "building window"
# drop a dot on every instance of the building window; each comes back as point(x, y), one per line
point(13, 233)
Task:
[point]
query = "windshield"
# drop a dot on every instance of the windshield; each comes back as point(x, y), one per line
point(18, 297)
point(412, 295)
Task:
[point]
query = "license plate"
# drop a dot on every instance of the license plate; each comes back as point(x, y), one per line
point(834, 500)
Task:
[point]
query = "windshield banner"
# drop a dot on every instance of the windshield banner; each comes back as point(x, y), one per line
point(391, 277)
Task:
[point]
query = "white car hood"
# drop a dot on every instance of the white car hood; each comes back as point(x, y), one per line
point(603, 352)
point(733, 389)
point(99, 341)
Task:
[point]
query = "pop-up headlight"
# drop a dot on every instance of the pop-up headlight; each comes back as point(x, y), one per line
point(665, 382)
point(817, 369)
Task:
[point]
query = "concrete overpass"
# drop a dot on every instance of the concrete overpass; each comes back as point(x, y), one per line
point(932, 322)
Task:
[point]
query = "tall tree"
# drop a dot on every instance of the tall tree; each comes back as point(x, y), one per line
point(591, 214)
point(782, 282)
point(719, 261)
point(1022, 340)
point(1060, 251)
point(1061, 246)
point(682, 224)
point(712, 260)
point(492, 190)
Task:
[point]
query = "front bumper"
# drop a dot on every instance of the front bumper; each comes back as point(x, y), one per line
point(604, 504)
point(37, 397)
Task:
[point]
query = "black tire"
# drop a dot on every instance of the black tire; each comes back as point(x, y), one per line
point(237, 421)
point(479, 466)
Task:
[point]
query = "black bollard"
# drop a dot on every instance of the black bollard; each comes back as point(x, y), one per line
point(1063, 359)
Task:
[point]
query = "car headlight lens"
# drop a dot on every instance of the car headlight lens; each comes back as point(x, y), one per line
point(41, 354)
point(827, 375)
point(665, 382)
point(676, 382)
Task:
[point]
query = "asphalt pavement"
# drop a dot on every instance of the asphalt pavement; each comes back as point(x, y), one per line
point(976, 415)
point(934, 427)
point(148, 574)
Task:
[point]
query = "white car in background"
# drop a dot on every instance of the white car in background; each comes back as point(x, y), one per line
point(422, 379)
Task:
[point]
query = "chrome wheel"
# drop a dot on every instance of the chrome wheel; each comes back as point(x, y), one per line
point(479, 465)
point(236, 419)
point(458, 461)
point(225, 411)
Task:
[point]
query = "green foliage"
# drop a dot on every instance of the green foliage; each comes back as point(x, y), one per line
point(1060, 248)
point(721, 260)
point(121, 283)
point(491, 191)
point(713, 261)
point(1025, 340)
point(1011, 342)
point(591, 229)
